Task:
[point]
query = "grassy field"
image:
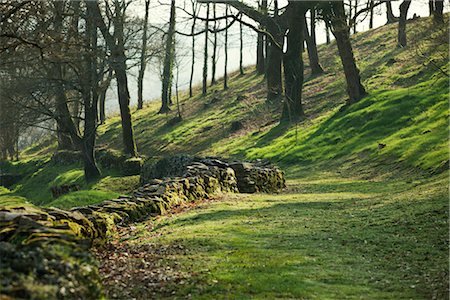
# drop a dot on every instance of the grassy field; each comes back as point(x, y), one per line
point(326, 237)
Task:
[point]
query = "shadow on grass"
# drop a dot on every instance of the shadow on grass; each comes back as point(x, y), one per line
point(328, 249)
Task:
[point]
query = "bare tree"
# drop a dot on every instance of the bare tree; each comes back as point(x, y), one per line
point(116, 43)
point(334, 14)
point(205, 53)
point(401, 40)
point(168, 62)
point(194, 16)
point(143, 60)
point(214, 48)
point(225, 72)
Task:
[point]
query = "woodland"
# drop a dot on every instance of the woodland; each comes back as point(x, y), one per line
point(224, 149)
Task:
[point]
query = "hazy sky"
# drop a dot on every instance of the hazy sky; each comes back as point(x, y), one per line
point(159, 14)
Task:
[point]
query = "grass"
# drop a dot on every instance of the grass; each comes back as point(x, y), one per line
point(327, 238)
point(82, 198)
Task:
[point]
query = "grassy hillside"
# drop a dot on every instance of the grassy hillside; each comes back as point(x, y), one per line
point(406, 111)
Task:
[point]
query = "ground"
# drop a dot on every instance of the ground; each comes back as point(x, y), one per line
point(325, 237)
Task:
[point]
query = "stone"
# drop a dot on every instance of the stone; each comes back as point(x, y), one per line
point(132, 166)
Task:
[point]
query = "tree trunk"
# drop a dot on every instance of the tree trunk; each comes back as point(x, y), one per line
point(371, 14)
point(191, 79)
point(389, 14)
point(241, 49)
point(313, 56)
point(341, 31)
point(431, 7)
point(214, 54)
point(327, 33)
point(313, 25)
point(260, 54)
point(260, 45)
point(355, 11)
point(225, 71)
point(118, 63)
point(273, 73)
point(168, 63)
point(293, 65)
point(143, 60)
point(274, 60)
point(401, 41)
point(438, 12)
point(205, 54)
point(102, 96)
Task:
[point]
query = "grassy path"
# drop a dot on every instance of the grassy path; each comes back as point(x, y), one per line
point(323, 238)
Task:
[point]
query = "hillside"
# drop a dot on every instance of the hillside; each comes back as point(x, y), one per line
point(365, 211)
point(406, 110)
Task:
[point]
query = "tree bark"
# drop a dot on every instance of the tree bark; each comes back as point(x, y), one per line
point(401, 40)
point(168, 63)
point(293, 63)
point(205, 54)
point(313, 56)
point(355, 11)
point(341, 31)
point(143, 60)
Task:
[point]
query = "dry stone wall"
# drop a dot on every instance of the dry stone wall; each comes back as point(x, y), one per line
point(47, 247)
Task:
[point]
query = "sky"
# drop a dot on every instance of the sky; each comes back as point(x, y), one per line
point(159, 14)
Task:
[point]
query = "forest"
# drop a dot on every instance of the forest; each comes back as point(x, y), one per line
point(224, 149)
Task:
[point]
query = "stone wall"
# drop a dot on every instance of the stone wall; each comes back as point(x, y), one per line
point(59, 239)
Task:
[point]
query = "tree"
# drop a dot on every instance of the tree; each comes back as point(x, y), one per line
point(404, 6)
point(168, 62)
point(293, 62)
point(225, 71)
point(436, 10)
point(371, 4)
point(194, 16)
point(143, 63)
point(327, 34)
point(116, 44)
point(205, 54)
point(241, 48)
point(389, 14)
point(260, 45)
point(334, 14)
point(313, 55)
point(214, 49)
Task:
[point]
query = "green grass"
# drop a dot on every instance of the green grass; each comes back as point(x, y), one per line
point(411, 122)
point(82, 198)
point(327, 238)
